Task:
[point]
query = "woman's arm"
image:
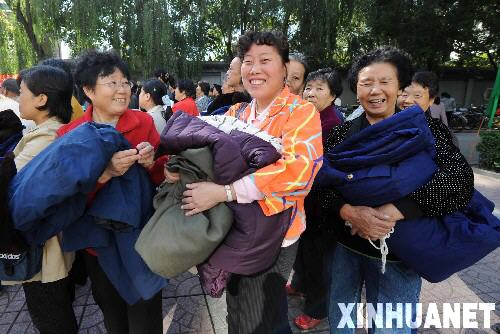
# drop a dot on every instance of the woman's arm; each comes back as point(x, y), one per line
point(451, 187)
point(290, 178)
point(366, 221)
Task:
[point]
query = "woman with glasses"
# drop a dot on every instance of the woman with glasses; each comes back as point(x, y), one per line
point(104, 78)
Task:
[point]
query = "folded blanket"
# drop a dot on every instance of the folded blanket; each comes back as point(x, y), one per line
point(389, 160)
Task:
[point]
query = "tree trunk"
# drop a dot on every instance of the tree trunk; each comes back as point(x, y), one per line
point(27, 22)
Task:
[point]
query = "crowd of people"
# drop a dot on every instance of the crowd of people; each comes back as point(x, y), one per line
point(270, 105)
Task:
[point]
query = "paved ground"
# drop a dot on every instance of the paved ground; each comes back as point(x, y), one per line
point(187, 310)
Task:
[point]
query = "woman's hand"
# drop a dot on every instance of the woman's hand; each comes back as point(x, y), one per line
point(171, 177)
point(368, 222)
point(202, 196)
point(147, 152)
point(119, 164)
point(390, 210)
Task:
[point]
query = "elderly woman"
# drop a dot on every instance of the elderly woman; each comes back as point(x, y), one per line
point(258, 303)
point(297, 71)
point(423, 91)
point(104, 78)
point(322, 87)
point(46, 100)
point(376, 78)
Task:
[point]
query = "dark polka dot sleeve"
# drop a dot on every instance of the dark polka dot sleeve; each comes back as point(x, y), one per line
point(329, 198)
point(451, 187)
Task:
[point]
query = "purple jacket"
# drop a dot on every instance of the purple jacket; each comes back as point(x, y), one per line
point(254, 241)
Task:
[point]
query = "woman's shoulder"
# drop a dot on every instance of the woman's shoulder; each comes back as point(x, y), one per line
point(40, 136)
point(47, 128)
point(437, 127)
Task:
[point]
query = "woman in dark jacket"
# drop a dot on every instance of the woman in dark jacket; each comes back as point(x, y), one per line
point(376, 78)
point(322, 87)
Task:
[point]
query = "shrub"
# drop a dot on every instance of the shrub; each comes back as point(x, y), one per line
point(489, 149)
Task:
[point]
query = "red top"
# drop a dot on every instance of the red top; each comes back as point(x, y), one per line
point(137, 127)
point(188, 106)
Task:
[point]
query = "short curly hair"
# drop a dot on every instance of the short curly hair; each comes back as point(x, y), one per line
point(272, 38)
point(385, 54)
point(94, 64)
point(331, 77)
point(427, 80)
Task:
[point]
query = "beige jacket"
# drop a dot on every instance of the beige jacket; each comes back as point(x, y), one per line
point(55, 263)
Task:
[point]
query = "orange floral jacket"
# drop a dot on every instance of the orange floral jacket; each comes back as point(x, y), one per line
point(287, 182)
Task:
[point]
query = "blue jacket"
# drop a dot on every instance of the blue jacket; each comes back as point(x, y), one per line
point(387, 161)
point(49, 195)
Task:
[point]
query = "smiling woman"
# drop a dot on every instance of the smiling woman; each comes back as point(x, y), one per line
point(376, 78)
point(258, 303)
point(104, 77)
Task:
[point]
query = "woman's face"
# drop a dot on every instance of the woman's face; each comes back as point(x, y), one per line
point(144, 99)
point(179, 96)
point(263, 73)
point(111, 94)
point(295, 77)
point(318, 93)
point(199, 92)
point(401, 99)
point(377, 90)
point(417, 94)
point(28, 104)
point(233, 74)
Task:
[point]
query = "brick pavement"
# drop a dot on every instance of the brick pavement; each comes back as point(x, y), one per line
point(187, 310)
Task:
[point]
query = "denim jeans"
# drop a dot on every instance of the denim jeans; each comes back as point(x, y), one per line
point(399, 284)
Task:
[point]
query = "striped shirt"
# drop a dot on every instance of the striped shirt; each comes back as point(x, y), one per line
point(287, 182)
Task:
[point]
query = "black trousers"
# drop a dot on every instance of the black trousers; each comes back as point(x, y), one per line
point(50, 306)
point(310, 273)
point(258, 304)
point(144, 317)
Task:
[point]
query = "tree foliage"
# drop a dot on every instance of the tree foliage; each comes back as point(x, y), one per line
point(179, 34)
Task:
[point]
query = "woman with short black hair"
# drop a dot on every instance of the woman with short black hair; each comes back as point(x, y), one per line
point(45, 98)
point(185, 93)
point(104, 78)
point(151, 100)
point(258, 303)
